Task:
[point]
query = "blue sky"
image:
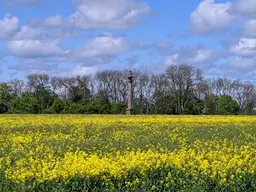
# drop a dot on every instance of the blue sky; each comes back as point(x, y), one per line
point(80, 37)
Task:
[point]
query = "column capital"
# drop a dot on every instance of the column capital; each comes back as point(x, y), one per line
point(130, 76)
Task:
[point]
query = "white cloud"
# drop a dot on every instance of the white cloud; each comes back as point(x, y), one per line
point(243, 64)
point(81, 70)
point(210, 16)
point(237, 68)
point(171, 60)
point(107, 14)
point(191, 55)
point(202, 55)
point(53, 21)
point(102, 46)
point(250, 28)
point(28, 32)
point(97, 51)
point(246, 6)
point(8, 26)
point(245, 48)
point(31, 33)
point(34, 48)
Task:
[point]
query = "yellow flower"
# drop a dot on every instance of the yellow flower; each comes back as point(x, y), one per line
point(49, 147)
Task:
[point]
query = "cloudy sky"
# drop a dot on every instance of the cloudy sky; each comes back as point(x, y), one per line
point(76, 37)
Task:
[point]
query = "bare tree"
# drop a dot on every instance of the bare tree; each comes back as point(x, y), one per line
point(182, 80)
point(243, 93)
point(18, 87)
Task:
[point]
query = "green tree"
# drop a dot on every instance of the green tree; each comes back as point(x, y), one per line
point(165, 104)
point(76, 108)
point(58, 105)
point(3, 108)
point(194, 107)
point(182, 80)
point(119, 108)
point(227, 106)
point(210, 104)
point(44, 96)
point(24, 104)
point(140, 105)
point(100, 104)
point(77, 88)
point(5, 93)
point(250, 108)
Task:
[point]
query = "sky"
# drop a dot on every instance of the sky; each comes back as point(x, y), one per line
point(83, 37)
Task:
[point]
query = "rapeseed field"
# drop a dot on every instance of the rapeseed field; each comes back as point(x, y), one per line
point(127, 153)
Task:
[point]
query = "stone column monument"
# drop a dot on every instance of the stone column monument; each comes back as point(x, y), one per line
point(130, 93)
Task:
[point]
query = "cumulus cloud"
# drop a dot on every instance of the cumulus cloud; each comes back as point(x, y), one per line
point(246, 47)
point(237, 67)
point(210, 16)
point(172, 60)
point(99, 47)
point(53, 21)
point(114, 14)
point(28, 32)
point(191, 55)
point(246, 6)
point(97, 51)
point(250, 28)
point(202, 56)
point(82, 70)
point(31, 33)
point(34, 48)
point(243, 64)
point(9, 25)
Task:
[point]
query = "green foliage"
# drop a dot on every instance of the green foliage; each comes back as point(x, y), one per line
point(140, 106)
point(78, 92)
point(24, 104)
point(100, 105)
point(168, 179)
point(89, 108)
point(98, 108)
point(227, 106)
point(165, 104)
point(58, 105)
point(194, 107)
point(50, 110)
point(76, 108)
point(5, 93)
point(250, 109)
point(119, 108)
point(44, 96)
point(210, 104)
point(3, 108)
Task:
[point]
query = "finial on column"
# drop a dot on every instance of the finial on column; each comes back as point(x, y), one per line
point(130, 93)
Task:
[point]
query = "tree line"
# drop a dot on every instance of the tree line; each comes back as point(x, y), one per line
point(181, 89)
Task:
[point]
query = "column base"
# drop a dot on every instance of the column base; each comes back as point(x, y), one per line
point(129, 111)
